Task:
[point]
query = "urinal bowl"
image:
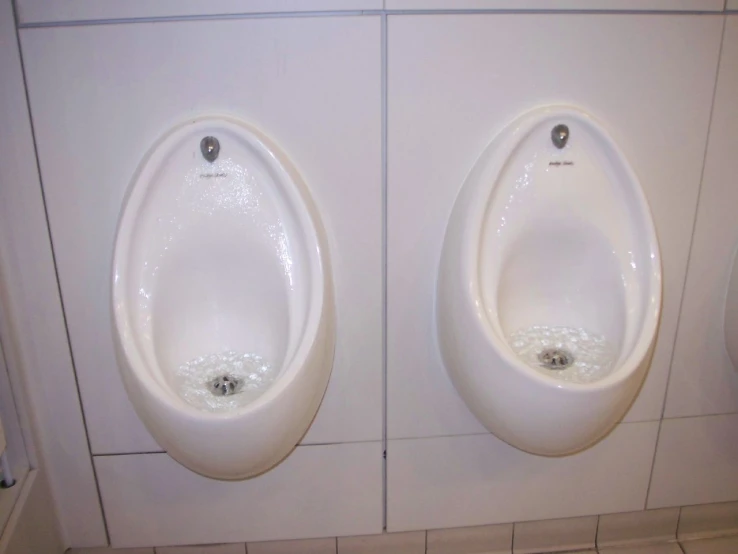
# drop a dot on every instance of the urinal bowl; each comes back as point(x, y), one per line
point(549, 250)
point(221, 270)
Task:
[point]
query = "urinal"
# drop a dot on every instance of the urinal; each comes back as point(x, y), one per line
point(222, 299)
point(549, 286)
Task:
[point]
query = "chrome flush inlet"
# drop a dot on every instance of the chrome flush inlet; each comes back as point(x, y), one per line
point(560, 135)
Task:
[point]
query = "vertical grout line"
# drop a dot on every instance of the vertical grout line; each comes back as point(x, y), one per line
point(383, 80)
point(679, 522)
point(597, 533)
point(689, 258)
point(56, 275)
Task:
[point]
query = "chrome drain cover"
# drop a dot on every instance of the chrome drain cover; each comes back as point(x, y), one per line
point(225, 385)
point(555, 358)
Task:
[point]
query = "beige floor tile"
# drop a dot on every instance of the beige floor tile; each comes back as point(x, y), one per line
point(658, 548)
point(239, 548)
point(708, 520)
point(107, 550)
point(637, 527)
point(722, 545)
point(307, 546)
point(386, 543)
point(486, 539)
point(555, 535)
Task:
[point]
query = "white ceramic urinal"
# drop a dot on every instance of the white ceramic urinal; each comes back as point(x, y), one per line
point(549, 288)
point(222, 299)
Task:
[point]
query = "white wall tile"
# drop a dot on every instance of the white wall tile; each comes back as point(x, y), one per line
point(637, 527)
point(478, 479)
point(731, 5)
point(33, 527)
point(626, 5)
point(708, 520)
point(307, 546)
point(454, 82)
point(318, 491)
point(482, 539)
point(555, 535)
point(203, 549)
point(386, 543)
point(40, 11)
point(311, 84)
point(696, 461)
point(700, 342)
point(31, 318)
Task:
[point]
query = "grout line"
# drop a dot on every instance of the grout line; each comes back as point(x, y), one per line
point(481, 433)
point(197, 17)
point(113, 454)
point(487, 433)
point(544, 11)
point(689, 257)
point(679, 522)
point(336, 443)
point(383, 81)
point(56, 276)
point(699, 416)
point(348, 13)
point(597, 533)
point(143, 452)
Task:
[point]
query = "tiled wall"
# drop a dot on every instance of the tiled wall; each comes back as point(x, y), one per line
point(384, 107)
point(704, 529)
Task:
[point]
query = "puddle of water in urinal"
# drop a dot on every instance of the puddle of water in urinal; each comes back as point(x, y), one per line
point(194, 379)
point(594, 356)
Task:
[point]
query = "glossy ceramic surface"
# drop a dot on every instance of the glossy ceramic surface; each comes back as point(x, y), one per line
point(216, 258)
point(542, 236)
point(708, 324)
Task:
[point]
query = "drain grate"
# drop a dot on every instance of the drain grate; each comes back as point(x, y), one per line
point(225, 385)
point(555, 358)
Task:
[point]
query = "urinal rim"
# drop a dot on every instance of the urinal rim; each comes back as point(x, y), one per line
point(298, 197)
point(489, 166)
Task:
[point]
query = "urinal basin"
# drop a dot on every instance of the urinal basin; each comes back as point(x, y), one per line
point(222, 300)
point(549, 286)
